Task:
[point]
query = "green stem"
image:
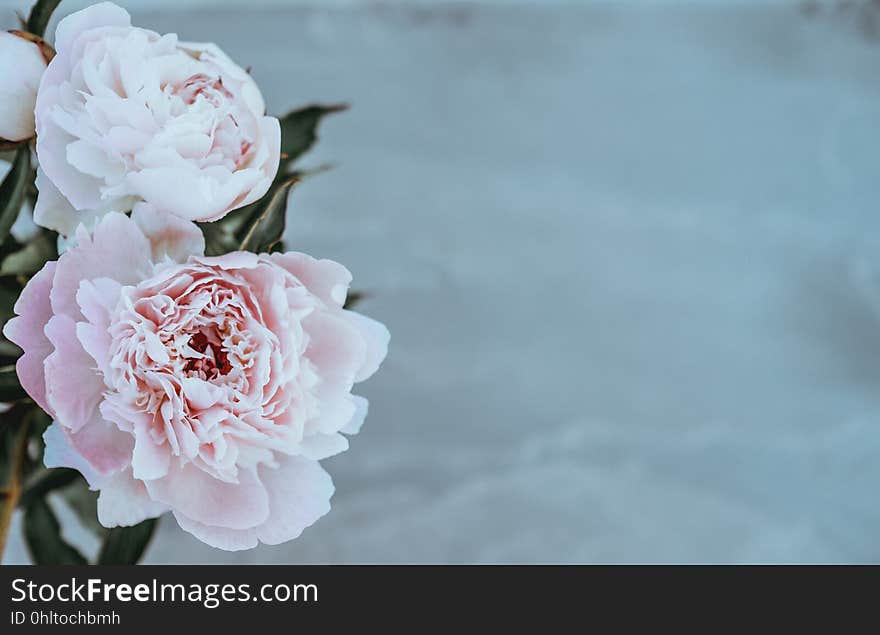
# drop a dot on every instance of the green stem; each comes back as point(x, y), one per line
point(12, 492)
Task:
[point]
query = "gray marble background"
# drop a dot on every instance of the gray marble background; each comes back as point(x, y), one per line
point(628, 254)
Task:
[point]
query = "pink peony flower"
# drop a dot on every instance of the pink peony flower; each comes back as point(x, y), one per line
point(124, 115)
point(210, 387)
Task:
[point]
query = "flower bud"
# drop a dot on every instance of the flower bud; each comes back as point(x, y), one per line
point(22, 62)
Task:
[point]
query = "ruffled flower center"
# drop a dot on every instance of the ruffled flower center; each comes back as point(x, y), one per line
point(212, 359)
point(202, 101)
point(216, 376)
point(201, 85)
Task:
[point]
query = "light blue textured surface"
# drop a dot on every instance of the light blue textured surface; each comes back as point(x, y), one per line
point(627, 258)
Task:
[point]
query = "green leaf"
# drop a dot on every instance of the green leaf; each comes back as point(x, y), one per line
point(84, 503)
point(219, 239)
point(12, 191)
point(299, 130)
point(10, 388)
point(45, 482)
point(266, 225)
point(30, 259)
point(126, 545)
point(9, 352)
point(42, 532)
point(8, 298)
point(353, 298)
point(41, 12)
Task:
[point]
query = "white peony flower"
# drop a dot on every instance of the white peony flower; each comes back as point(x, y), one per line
point(125, 115)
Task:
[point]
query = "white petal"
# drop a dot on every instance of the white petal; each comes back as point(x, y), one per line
point(322, 446)
point(170, 236)
point(60, 453)
point(124, 502)
point(97, 15)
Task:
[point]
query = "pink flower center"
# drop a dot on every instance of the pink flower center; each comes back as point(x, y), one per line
point(211, 88)
point(213, 362)
point(206, 94)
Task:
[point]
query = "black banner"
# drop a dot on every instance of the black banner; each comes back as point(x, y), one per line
point(259, 597)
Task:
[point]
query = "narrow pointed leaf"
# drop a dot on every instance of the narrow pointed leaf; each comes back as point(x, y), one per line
point(8, 297)
point(299, 130)
point(42, 532)
point(353, 298)
point(126, 545)
point(264, 229)
point(40, 15)
point(218, 239)
point(10, 388)
point(9, 352)
point(12, 191)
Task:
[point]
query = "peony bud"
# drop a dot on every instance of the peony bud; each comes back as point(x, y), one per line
point(22, 62)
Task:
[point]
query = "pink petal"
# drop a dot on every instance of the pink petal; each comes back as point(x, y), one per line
point(107, 448)
point(27, 331)
point(218, 537)
point(270, 130)
point(54, 211)
point(210, 501)
point(357, 420)
point(377, 337)
point(232, 260)
point(60, 453)
point(96, 299)
point(327, 279)
point(73, 387)
point(149, 460)
point(322, 446)
point(124, 502)
point(299, 494)
point(336, 410)
point(118, 250)
point(336, 347)
point(182, 189)
point(169, 235)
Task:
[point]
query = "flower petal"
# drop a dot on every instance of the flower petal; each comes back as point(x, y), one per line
point(210, 501)
point(97, 15)
point(124, 502)
point(327, 279)
point(169, 235)
point(149, 460)
point(100, 442)
point(34, 312)
point(357, 420)
point(60, 453)
point(377, 337)
point(218, 537)
point(55, 212)
point(299, 494)
point(73, 388)
point(118, 250)
point(322, 446)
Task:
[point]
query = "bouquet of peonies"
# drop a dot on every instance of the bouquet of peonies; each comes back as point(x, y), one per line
point(162, 352)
